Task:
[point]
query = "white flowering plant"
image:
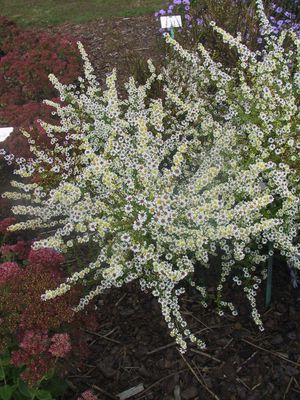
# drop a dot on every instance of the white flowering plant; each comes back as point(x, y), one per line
point(158, 185)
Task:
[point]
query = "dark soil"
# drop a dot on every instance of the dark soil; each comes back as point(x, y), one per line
point(132, 346)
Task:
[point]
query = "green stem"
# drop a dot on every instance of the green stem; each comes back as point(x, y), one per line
point(3, 372)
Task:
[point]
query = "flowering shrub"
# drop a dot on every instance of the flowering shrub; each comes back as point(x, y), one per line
point(160, 185)
point(24, 67)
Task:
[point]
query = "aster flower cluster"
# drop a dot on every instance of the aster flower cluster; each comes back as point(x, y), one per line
point(160, 185)
point(284, 19)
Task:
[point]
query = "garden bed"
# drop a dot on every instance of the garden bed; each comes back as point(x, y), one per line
point(132, 347)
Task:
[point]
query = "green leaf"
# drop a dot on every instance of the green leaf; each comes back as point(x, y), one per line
point(56, 387)
point(4, 360)
point(18, 396)
point(43, 395)
point(24, 389)
point(49, 375)
point(6, 392)
point(2, 374)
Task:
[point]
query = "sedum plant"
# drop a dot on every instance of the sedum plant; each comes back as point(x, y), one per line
point(160, 185)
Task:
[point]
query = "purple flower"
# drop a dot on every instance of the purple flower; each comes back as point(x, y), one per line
point(259, 40)
point(177, 2)
point(162, 12)
point(187, 8)
point(289, 15)
point(199, 21)
point(186, 2)
point(279, 10)
point(187, 17)
point(170, 9)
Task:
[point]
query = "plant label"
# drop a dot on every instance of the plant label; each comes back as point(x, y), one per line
point(4, 133)
point(172, 21)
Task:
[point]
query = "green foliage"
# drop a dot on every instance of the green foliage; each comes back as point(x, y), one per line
point(46, 12)
point(12, 387)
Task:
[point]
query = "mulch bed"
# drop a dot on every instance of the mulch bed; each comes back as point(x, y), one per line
point(132, 347)
point(116, 43)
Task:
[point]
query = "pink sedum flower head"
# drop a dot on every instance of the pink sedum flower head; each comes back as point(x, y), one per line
point(87, 395)
point(61, 345)
point(45, 257)
point(34, 342)
point(5, 223)
point(8, 270)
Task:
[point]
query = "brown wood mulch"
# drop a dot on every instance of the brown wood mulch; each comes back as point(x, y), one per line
point(132, 348)
point(116, 43)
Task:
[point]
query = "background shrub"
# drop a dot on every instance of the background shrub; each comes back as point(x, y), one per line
point(26, 60)
point(8, 30)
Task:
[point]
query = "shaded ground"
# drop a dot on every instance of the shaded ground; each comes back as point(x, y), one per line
point(133, 348)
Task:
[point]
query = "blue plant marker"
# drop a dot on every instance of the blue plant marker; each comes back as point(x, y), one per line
point(269, 276)
point(172, 33)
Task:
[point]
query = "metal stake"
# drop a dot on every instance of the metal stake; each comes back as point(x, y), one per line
point(172, 33)
point(269, 276)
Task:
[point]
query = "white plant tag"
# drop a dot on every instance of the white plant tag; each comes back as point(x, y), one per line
point(4, 133)
point(172, 21)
